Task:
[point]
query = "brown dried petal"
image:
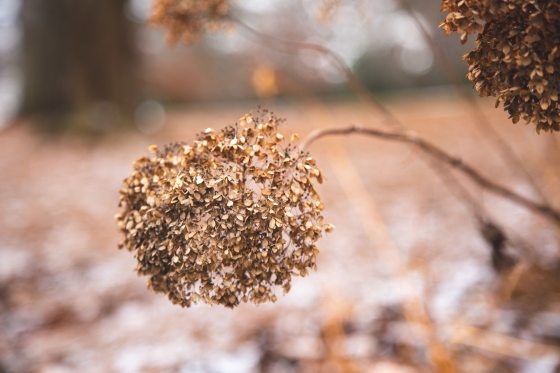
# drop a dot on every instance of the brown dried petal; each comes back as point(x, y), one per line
point(216, 222)
point(189, 19)
point(515, 59)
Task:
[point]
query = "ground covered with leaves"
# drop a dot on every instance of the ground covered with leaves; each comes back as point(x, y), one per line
point(405, 283)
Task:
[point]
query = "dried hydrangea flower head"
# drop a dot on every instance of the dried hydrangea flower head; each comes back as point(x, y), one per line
point(516, 58)
point(226, 219)
point(188, 19)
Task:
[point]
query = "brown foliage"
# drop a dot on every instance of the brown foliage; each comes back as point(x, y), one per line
point(188, 19)
point(227, 218)
point(516, 58)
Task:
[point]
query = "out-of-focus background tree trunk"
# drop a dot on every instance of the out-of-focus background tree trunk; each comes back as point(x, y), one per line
point(78, 64)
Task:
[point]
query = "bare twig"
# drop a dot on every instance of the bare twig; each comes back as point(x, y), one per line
point(356, 85)
point(456, 163)
point(449, 180)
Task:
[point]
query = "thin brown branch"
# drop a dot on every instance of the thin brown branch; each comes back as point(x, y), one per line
point(389, 119)
point(356, 85)
point(441, 155)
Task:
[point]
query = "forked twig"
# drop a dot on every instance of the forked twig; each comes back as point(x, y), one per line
point(456, 163)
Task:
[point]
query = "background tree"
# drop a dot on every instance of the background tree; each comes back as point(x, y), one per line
point(78, 63)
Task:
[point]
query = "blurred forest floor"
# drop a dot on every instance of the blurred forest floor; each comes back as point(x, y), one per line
point(404, 283)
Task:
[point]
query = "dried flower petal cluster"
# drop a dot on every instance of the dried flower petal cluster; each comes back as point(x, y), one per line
point(516, 58)
point(226, 219)
point(188, 19)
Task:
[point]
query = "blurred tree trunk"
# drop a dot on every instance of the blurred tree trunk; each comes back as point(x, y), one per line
point(78, 64)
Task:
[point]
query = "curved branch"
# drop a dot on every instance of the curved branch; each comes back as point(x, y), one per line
point(356, 85)
point(389, 119)
point(441, 155)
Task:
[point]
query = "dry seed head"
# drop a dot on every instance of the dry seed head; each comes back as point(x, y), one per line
point(516, 58)
point(189, 19)
point(228, 218)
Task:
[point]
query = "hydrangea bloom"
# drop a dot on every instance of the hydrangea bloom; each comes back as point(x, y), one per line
point(228, 218)
point(516, 58)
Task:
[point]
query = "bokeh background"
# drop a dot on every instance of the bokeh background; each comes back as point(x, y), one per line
point(408, 281)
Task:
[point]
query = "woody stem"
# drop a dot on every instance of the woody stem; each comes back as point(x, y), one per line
point(439, 154)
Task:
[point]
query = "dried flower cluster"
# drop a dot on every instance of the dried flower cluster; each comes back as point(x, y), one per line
point(516, 58)
point(188, 19)
point(228, 218)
